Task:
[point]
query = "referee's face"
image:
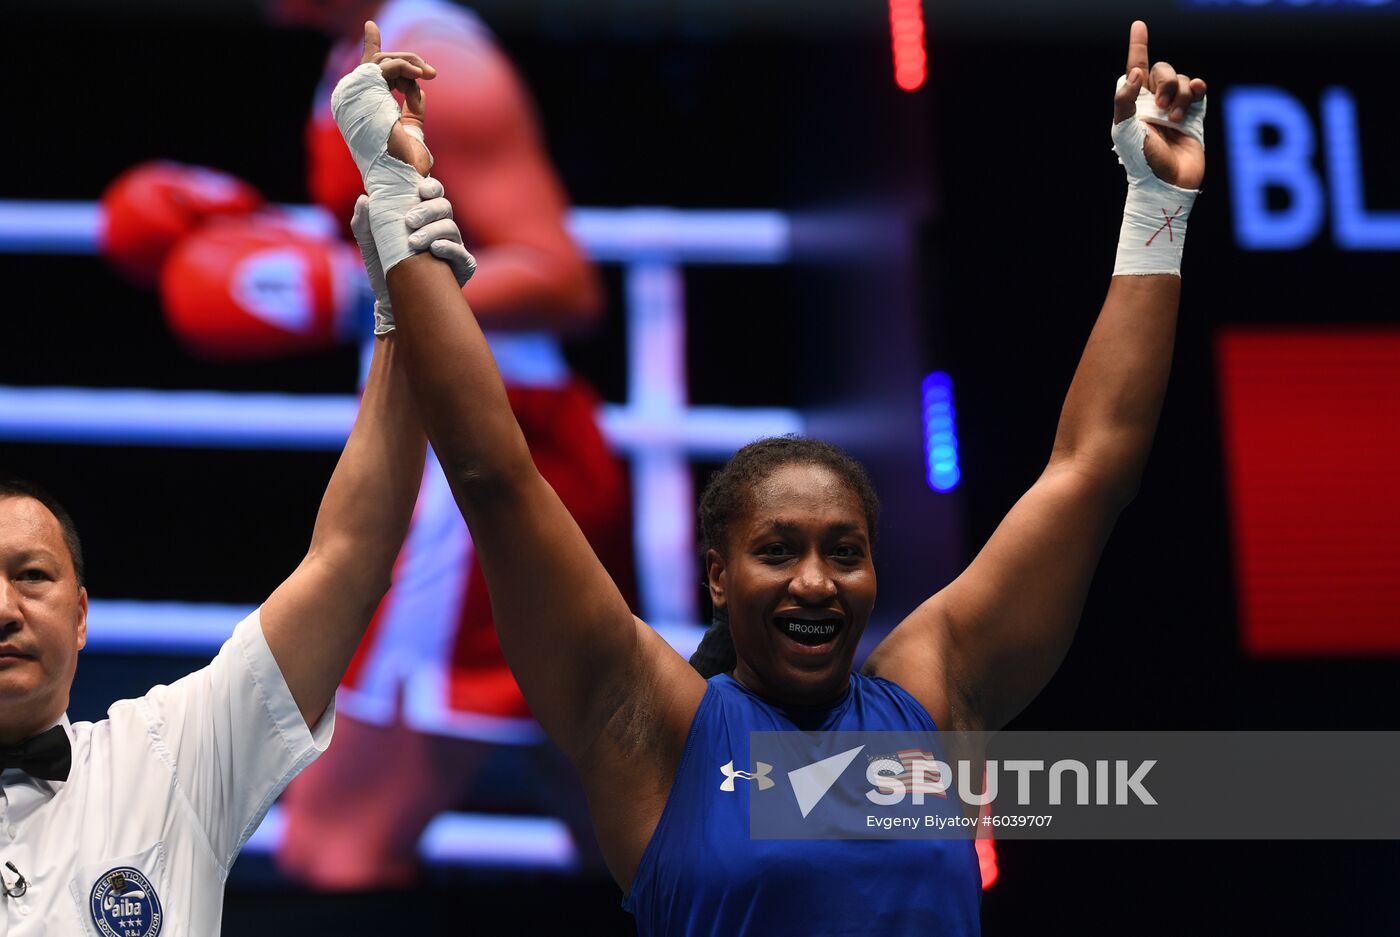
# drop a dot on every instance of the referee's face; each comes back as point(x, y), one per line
point(43, 619)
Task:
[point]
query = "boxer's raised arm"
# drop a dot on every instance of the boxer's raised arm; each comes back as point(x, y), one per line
point(597, 679)
point(606, 687)
point(984, 646)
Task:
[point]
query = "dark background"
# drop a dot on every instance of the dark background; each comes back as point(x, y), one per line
point(987, 204)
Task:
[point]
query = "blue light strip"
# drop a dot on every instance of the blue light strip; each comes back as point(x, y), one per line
point(627, 235)
point(193, 629)
point(311, 422)
point(131, 417)
point(940, 433)
point(49, 227)
point(701, 431)
point(624, 235)
point(466, 839)
point(197, 629)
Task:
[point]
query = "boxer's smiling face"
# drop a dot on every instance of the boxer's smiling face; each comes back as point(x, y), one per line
point(797, 582)
point(43, 619)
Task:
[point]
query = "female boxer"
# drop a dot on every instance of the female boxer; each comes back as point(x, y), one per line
point(790, 529)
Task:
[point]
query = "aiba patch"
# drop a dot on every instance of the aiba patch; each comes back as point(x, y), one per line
point(125, 904)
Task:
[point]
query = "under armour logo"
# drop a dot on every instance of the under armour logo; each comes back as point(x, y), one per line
point(760, 775)
point(1166, 225)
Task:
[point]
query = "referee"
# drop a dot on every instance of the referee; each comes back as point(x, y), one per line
point(127, 827)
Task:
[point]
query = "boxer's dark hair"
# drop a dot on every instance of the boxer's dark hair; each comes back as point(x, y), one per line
point(715, 654)
point(19, 488)
point(729, 493)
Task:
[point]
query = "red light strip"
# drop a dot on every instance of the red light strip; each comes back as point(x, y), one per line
point(907, 37)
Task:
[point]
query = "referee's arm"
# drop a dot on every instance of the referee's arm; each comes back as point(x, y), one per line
point(314, 620)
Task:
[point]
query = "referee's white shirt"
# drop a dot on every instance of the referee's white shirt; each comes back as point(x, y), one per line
point(168, 787)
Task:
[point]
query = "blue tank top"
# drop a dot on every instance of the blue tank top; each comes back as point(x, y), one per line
point(701, 874)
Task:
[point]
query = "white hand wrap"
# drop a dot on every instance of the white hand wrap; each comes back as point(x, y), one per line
point(365, 111)
point(1154, 218)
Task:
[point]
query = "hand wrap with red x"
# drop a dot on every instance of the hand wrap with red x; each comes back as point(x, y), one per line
point(1154, 218)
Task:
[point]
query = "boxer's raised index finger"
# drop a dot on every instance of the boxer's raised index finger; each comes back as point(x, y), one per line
point(371, 42)
point(1137, 48)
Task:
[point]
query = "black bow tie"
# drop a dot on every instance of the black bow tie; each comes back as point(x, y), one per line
point(47, 755)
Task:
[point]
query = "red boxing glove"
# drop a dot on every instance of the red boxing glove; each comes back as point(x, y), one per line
point(254, 288)
point(152, 206)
